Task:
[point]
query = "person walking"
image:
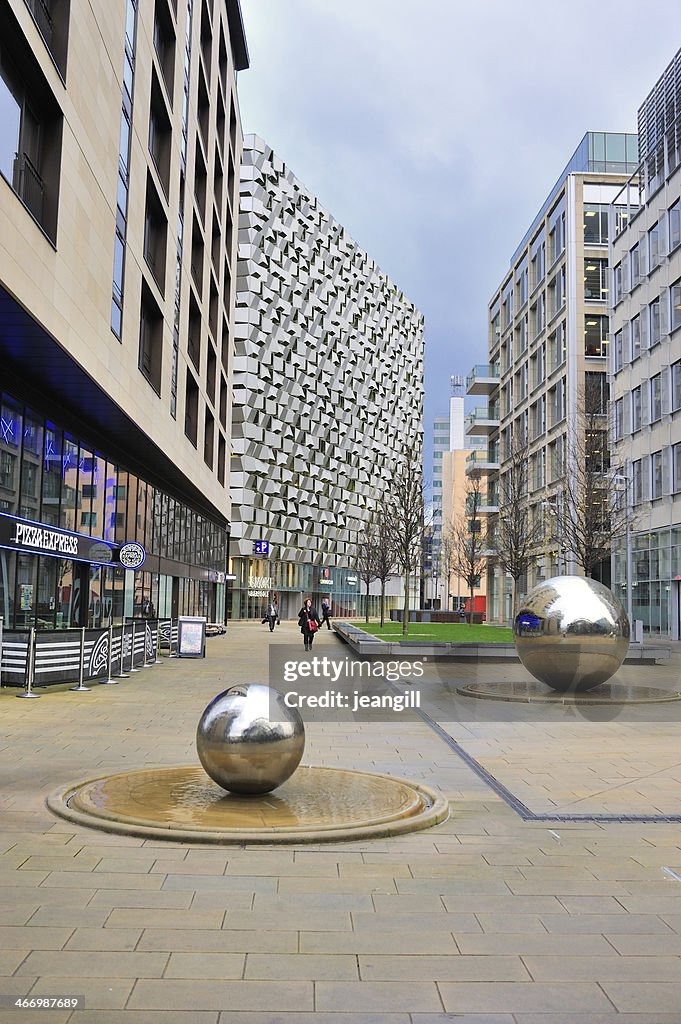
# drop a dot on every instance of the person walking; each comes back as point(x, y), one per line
point(326, 612)
point(272, 613)
point(309, 623)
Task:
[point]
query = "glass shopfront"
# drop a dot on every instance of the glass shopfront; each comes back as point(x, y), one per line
point(51, 479)
point(256, 579)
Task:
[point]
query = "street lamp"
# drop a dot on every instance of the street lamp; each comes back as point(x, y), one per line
point(621, 480)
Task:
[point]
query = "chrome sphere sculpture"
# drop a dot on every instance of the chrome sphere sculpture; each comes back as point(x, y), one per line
point(248, 740)
point(572, 633)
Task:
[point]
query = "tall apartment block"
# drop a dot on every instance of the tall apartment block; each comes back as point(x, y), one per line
point(120, 144)
point(328, 393)
point(645, 363)
point(547, 343)
point(452, 453)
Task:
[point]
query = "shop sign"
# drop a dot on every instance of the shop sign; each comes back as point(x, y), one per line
point(38, 538)
point(132, 555)
point(261, 547)
point(351, 581)
point(259, 586)
point(326, 579)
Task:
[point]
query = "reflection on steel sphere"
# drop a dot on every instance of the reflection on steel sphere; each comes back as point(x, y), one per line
point(571, 633)
point(248, 741)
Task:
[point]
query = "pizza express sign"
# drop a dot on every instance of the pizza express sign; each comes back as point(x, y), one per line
point(37, 538)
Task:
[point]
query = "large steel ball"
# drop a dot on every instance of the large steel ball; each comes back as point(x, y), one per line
point(248, 740)
point(572, 633)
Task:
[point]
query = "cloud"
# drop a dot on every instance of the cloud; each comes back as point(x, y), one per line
point(434, 131)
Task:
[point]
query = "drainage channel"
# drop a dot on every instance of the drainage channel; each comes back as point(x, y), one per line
point(517, 805)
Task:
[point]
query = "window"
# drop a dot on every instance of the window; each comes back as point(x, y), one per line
point(30, 131)
point(635, 266)
point(619, 351)
point(507, 307)
point(538, 316)
point(151, 339)
point(557, 237)
point(557, 347)
point(595, 224)
point(557, 292)
point(164, 44)
point(635, 335)
point(619, 418)
point(637, 480)
point(656, 475)
point(155, 235)
point(191, 408)
point(595, 335)
point(595, 279)
point(595, 393)
point(655, 397)
point(636, 409)
point(538, 264)
point(521, 283)
point(617, 283)
point(676, 385)
point(676, 466)
point(653, 247)
point(675, 295)
point(675, 225)
point(159, 134)
point(654, 322)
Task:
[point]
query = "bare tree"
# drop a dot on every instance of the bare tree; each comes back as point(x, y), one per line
point(405, 514)
point(590, 510)
point(365, 559)
point(514, 537)
point(385, 558)
point(446, 560)
point(468, 537)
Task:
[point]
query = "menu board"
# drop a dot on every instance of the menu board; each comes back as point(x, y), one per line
point(191, 639)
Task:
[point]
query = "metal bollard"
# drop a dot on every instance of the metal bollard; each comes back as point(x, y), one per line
point(132, 650)
point(30, 666)
point(122, 674)
point(170, 641)
point(158, 660)
point(81, 670)
point(109, 681)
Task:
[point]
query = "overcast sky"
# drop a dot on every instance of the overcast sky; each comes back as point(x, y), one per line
point(434, 130)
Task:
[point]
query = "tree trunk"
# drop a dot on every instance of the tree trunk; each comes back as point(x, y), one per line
point(514, 596)
point(366, 610)
point(470, 615)
point(405, 615)
point(382, 603)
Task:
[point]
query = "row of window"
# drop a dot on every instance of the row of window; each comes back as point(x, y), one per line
point(648, 402)
point(656, 474)
point(642, 259)
point(646, 329)
point(48, 476)
point(528, 278)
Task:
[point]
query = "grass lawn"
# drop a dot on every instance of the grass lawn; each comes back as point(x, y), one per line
point(455, 632)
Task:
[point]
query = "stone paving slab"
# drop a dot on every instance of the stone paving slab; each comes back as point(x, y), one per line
point(486, 918)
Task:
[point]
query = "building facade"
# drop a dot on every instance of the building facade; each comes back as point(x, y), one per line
point(645, 364)
point(328, 394)
point(120, 144)
point(547, 342)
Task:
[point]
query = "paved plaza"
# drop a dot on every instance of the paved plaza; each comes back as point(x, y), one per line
point(565, 914)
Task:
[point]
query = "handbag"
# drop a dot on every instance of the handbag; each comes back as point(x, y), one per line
point(312, 625)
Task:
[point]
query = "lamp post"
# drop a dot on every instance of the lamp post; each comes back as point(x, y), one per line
point(621, 481)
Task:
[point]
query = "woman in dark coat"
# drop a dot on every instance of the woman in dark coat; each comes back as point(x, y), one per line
point(307, 615)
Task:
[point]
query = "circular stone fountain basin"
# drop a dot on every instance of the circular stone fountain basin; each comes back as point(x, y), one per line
point(314, 805)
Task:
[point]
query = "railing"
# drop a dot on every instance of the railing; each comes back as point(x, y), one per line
point(482, 370)
point(29, 186)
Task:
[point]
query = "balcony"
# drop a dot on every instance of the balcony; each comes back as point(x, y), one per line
point(482, 379)
point(481, 462)
point(482, 420)
point(490, 503)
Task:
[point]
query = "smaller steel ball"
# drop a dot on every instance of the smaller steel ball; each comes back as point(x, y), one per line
point(571, 633)
point(248, 740)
